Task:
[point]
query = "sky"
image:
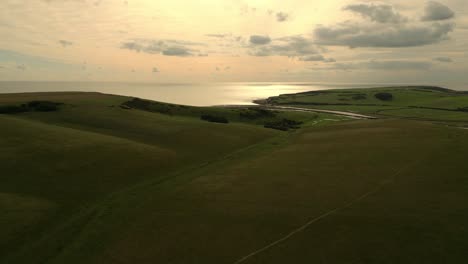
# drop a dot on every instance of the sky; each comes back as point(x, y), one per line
point(333, 41)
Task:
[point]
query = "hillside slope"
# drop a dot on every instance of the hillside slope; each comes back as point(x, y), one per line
point(97, 183)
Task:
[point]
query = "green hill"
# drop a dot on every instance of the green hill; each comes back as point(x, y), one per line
point(102, 180)
point(414, 102)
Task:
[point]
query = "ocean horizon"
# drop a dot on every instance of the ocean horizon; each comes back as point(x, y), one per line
point(195, 94)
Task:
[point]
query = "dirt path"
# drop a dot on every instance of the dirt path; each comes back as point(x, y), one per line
point(304, 226)
point(341, 113)
point(326, 214)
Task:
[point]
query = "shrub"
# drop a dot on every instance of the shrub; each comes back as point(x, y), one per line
point(43, 106)
point(256, 113)
point(126, 107)
point(384, 96)
point(359, 97)
point(150, 106)
point(284, 124)
point(13, 109)
point(138, 104)
point(40, 106)
point(215, 119)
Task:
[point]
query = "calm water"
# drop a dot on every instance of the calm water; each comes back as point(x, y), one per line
point(188, 94)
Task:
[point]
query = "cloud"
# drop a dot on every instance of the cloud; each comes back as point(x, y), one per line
point(290, 46)
point(155, 70)
point(165, 47)
point(177, 51)
point(390, 65)
point(59, 1)
point(226, 42)
point(381, 13)
point(152, 47)
point(259, 40)
point(398, 65)
point(215, 35)
point(246, 9)
point(443, 59)
point(20, 60)
point(282, 16)
point(436, 11)
point(316, 57)
point(65, 43)
point(391, 36)
point(385, 27)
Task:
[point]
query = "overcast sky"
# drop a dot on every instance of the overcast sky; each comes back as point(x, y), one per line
point(394, 41)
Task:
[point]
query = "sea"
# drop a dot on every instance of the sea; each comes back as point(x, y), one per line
point(195, 94)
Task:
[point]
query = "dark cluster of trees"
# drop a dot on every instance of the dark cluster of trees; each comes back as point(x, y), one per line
point(215, 119)
point(146, 105)
point(384, 96)
point(359, 97)
point(355, 97)
point(283, 124)
point(43, 106)
point(39, 106)
point(12, 109)
point(151, 106)
point(256, 113)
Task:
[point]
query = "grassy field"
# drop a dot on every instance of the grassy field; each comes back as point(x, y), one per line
point(95, 182)
point(423, 103)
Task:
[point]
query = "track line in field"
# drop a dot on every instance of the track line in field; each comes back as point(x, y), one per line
point(324, 215)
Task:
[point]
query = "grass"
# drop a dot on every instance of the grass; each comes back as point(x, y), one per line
point(97, 183)
point(425, 103)
point(87, 150)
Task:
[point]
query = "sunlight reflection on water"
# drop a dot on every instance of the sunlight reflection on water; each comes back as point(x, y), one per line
point(188, 94)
